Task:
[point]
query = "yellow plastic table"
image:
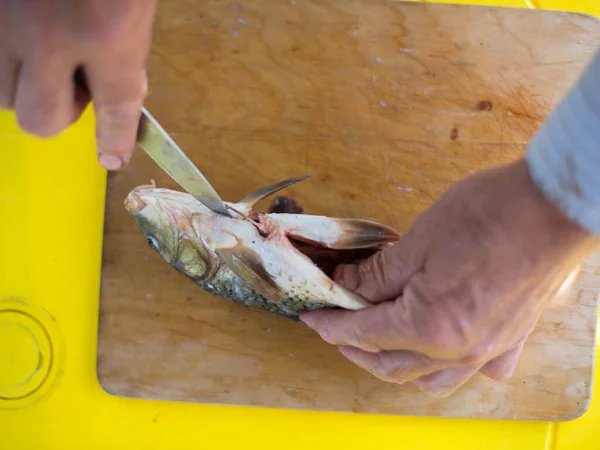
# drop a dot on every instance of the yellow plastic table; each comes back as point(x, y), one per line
point(51, 226)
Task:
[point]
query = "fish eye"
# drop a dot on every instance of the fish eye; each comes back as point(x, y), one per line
point(152, 242)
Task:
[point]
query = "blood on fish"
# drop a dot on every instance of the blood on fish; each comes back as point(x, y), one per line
point(285, 205)
point(328, 259)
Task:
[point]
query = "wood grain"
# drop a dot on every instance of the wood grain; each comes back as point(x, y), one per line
point(387, 105)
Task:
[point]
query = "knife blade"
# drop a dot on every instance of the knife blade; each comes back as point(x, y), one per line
point(155, 141)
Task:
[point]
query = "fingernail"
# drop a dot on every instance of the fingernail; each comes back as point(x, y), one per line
point(110, 162)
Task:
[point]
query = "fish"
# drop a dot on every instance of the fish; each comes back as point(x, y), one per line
point(280, 262)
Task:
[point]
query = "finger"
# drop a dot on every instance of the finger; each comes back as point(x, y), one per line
point(9, 72)
point(502, 367)
point(393, 366)
point(413, 322)
point(370, 329)
point(405, 324)
point(118, 95)
point(117, 74)
point(44, 96)
point(444, 382)
point(382, 276)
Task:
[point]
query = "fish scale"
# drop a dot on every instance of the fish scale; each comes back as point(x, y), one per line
point(229, 286)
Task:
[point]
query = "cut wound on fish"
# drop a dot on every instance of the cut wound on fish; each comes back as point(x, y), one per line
point(285, 205)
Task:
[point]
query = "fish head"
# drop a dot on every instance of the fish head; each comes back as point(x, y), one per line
point(165, 218)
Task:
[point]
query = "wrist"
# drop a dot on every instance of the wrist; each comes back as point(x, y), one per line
point(545, 217)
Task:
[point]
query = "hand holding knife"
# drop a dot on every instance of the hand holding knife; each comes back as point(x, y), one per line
point(155, 141)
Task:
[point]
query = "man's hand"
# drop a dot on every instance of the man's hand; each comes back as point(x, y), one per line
point(464, 287)
point(43, 42)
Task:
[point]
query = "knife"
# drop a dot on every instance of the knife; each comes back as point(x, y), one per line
point(170, 157)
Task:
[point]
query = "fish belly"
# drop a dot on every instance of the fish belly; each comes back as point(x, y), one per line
point(229, 286)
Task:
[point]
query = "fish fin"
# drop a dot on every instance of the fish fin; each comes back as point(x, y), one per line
point(338, 234)
point(359, 233)
point(352, 301)
point(212, 262)
point(247, 265)
point(251, 199)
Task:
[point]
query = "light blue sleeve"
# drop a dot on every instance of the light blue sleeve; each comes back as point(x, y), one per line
point(564, 155)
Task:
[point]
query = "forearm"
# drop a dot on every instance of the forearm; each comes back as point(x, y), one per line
point(564, 156)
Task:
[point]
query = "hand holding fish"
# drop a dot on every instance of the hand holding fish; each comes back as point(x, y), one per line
point(462, 290)
point(44, 44)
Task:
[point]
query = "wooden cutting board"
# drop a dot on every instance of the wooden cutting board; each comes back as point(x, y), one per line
point(386, 104)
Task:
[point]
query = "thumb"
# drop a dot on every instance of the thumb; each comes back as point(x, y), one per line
point(502, 367)
point(382, 276)
point(408, 323)
point(371, 329)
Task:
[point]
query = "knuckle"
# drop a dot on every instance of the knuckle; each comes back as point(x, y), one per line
point(445, 381)
point(374, 268)
point(117, 22)
point(342, 329)
point(448, 330)
point(103, 34)
point(475, 355)
point(405, 367)
point(335, 333)
point(396, 373)
point(434, 389)
point(501, 374)
point(390, 369)
point(377, 370)
point(39, 129)
point(354, 338)
point(383, 371)
point(327, 335)
point(40, 120)
point(442, 335)
point(40, 25)
point(108, 27)
point(361, 339)
point(453, 345)
point(117, 126)
point(120, 101)
point(119, 113)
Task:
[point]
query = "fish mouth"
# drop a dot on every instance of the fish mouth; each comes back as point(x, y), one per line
point(328, 259)
point(133, 202)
